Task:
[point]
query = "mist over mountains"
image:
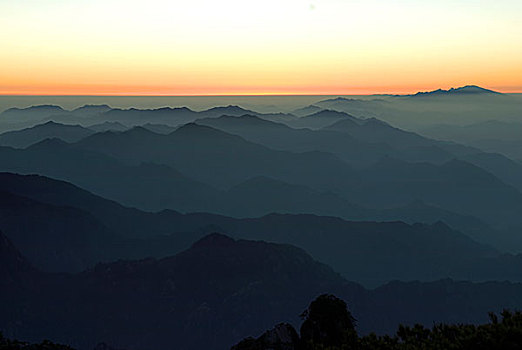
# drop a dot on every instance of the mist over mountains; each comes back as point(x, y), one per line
point(137, 226)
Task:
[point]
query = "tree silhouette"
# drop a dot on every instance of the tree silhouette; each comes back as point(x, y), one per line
point(328, 324)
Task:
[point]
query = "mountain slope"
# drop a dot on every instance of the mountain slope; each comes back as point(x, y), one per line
point(502, 167)
point(26, 137)
point(108, 126)
point(221, 290)
point(282, 137)
point(54, 238)
point(455, 185)
point(491, 136)
point(385, 250)
point(33, 113)
point(375, 130)
point(369, 252)
point(14, 269)
point(357, 143)
point(154, 187)
point(321, 119)
point(201, 298)
point(220, 159)
point(261, 195)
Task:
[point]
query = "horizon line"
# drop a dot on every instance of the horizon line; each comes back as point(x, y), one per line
point(248, 92)
point(227, 95)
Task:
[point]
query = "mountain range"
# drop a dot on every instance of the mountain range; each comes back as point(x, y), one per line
point(62, 228)
point(200, 168)
point(206, 297)
point(172, 227)
point(463, 90)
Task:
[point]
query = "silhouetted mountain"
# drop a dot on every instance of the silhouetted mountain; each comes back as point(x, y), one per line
point(367, 251)
point(375, 130)
point(420, 212)
point(220, 291)
point(218, 158)
point(456, 185)
point(360, 143)
point(237, 111)
point(408, 145)
point(282, 337)
point(159, 128)
point(33, 113)
point(178, 116)
point(211, 156)
point(357, 107)
point(26, 137)
point(202, 297)
point(14, 269)
point(325, 237)
point(63, 194)
point(100, 114)
point(308, 110)
point(146, 185)
point(108, 126)
point(91, 109)
point(54, 238)
point(491, 136)
point(282, 137)
point(261, 195)
point(227, 110)
point(491, 129)
point(424, 110)
point(329, 324)
point(463, 90)
point(414, 147)
point(502, 167)
point(369, 140)
point(165, 115)
point(206, 155)
point(321, 119)
point(118, 231)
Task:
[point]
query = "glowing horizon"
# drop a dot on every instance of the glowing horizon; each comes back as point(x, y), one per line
point(233, 47)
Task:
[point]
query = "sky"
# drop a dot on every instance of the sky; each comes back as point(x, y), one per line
point(244, 47)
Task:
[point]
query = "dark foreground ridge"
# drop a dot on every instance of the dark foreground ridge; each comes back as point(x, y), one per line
point(327, 324)
point(216, 293)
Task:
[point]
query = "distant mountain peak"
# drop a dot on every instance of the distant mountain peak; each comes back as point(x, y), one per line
point(463, 90)
point(107, 122)
point(244, 118)
point(37, 108)
point(190, 127)
point(93, 108)
point(227, 110)
point(182, 108)
point(229, 107)
point(48, 143)
point(342, 124)
point(301, 112)
point(194, 128)
point(239, 117)
point(50, 122)
point(330, 113)
point(375, 122)
point(53, 124)
point(214, 240)
point(139, 130)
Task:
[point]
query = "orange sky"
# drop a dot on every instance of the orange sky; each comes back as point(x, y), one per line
point(204, 47)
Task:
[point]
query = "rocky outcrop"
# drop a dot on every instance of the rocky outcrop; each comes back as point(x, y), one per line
point(281, 337)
